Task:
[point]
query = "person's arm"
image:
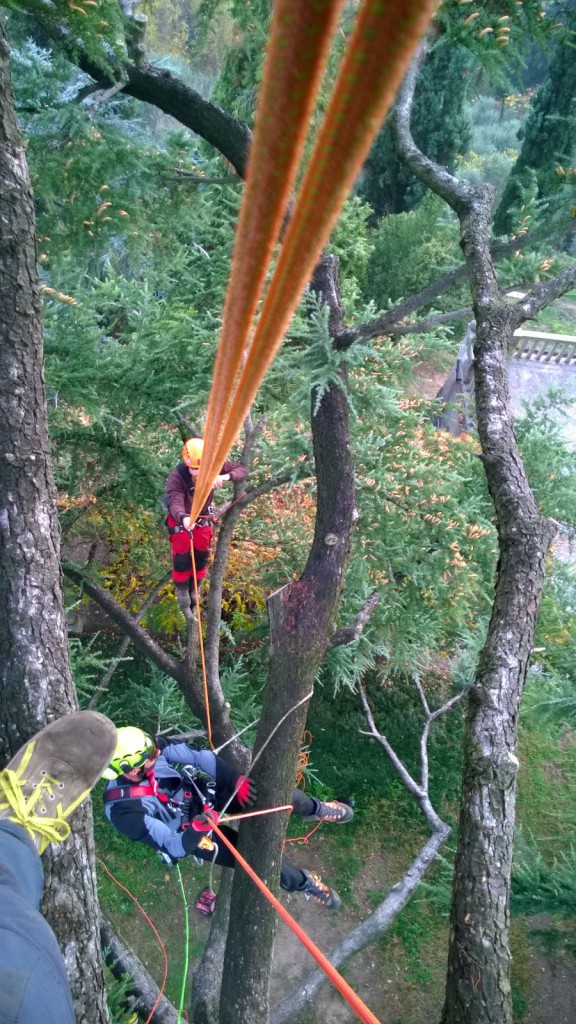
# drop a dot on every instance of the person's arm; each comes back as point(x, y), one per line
point(182, 753)
point(133, 822)
point(211, 764)
point(176, 496)
point(234, 471)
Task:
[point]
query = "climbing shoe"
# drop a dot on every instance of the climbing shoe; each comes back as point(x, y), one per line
point(331, 810)
point(53, 773)
point(316, 891)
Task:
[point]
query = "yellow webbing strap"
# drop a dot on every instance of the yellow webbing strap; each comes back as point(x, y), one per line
point(378, 54)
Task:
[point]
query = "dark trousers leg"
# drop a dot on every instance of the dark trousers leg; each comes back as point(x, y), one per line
point(34, 987)
point(292, 879)
point(302, 804)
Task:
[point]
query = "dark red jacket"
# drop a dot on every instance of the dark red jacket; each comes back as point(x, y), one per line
point(180, 489)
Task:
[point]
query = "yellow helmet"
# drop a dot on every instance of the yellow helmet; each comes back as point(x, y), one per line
point(133, 748)
point(192, 452)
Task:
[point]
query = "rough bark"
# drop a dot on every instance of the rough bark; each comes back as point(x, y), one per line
point(35, 676)
point(301, 618)
point(478, 983)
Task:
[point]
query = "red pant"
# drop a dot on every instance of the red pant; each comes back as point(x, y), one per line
point(181, 554)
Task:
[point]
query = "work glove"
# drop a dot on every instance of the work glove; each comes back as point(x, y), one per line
point(201, 823)
point(246, 791)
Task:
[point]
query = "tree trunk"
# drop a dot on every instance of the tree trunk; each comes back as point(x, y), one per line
point(207, 977)
point(301, 622)
point(35, 677)
point(478, 982)
point(478, 989)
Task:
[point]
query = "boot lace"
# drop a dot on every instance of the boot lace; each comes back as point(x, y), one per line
point(30, 813)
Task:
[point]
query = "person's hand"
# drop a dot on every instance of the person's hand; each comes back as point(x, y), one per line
point(246, 792)
point(222, 479)
point(187, 523)
point(201, 822)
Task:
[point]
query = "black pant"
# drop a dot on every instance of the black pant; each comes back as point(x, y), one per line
point(292, 879)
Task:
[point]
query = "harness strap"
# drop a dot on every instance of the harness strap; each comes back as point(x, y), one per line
point(136, 792)
point(128, 793)
point(201, 521)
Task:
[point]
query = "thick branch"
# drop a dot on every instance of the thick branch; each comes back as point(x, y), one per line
point(542, 296)
point(393, 318)
point(157, 86)
point(455, 192)
point(347, 634)
point(127, 623)
point(127, 640)
point(142, 991)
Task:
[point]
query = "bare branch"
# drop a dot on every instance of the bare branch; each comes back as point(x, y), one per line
point(104, 95)
point(386, 323)
point(202, 179)
point(190, 429)
point(542, 296)
point(142, 991)
point(402, 772)
point(366, 933)
point(347, 634)
point(250, 496)
point(107, 675)
point(429, 322)
point(127, 623)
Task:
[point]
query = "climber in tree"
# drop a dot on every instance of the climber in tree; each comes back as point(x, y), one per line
point(161, 790)
point(179, 497)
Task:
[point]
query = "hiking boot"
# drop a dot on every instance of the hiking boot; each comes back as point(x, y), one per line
point(331, 810)
point(184, 603)
point(316, 891)
point(54, 772)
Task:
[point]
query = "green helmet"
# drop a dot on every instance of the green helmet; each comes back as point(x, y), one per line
point(133, 748)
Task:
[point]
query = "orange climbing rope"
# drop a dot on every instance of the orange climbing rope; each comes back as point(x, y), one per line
point(296, 55)
point(379, 51)
point(381, 46)
point(337, 980)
